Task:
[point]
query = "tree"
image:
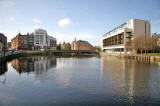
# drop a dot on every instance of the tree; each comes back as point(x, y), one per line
point(98, 48)
point(58, 47)
point(64, 46)
point(144, 44)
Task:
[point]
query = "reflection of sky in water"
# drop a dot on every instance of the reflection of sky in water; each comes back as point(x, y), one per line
point(40, 81)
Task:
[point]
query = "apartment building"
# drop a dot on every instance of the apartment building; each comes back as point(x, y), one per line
point(116, 40)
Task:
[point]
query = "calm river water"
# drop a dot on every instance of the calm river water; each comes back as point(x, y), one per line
point(107, 81)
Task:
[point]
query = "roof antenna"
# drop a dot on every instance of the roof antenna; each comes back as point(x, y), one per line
point(75, 39)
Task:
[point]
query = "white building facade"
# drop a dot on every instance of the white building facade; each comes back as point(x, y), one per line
point(41, 39)
point(115, 40)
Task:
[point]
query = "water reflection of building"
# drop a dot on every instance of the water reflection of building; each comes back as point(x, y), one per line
point(64, 71)
point(127, 76)
point(33, 64)
point(3, 70)
point(43, 64)
point(23, 65)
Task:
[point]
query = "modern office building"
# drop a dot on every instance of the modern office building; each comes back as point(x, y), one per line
point(53, 43)
point(116, 40)
point(30, 41)
point(3, 43)
point(41, 39)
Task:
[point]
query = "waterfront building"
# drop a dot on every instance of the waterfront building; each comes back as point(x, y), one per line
point(30, 41)
point(9, 45)
point(19, 42)
point(116, 40)
point(3, 43)
point(38, 40)
point(41, 39)
point(53, 43)
point(81, 45)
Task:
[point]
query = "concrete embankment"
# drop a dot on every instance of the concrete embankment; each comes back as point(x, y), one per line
point(109, 54)
point(146, 58)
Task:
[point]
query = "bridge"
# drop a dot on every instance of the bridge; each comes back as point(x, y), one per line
point(64, 52)
point(74, 51)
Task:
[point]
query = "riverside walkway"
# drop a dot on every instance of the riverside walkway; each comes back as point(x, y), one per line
point(137, 57)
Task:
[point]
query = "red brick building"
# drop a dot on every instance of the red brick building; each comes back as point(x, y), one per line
point(81, 45)
point(19, 42)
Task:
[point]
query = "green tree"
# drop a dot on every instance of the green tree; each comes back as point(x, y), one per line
point(58, 47)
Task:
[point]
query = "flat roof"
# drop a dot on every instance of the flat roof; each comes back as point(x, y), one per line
point(121, 26)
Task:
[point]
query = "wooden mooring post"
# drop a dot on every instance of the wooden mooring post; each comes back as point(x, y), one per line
point(139, 58)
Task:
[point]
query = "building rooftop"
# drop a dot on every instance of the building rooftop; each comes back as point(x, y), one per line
point(122, 26)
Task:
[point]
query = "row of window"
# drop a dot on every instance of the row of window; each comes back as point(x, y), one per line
point(123, 26)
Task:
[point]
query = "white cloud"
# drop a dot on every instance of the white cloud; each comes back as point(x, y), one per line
point(64, 22)
point(1, 31)
point(69, 38)
point(36, 27)
point(6, 3)
point(9, 34)
point(36, 20)
point(91, 38)
point(11, 19)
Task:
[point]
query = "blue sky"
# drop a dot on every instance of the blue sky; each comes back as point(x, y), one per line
point(67, 19)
